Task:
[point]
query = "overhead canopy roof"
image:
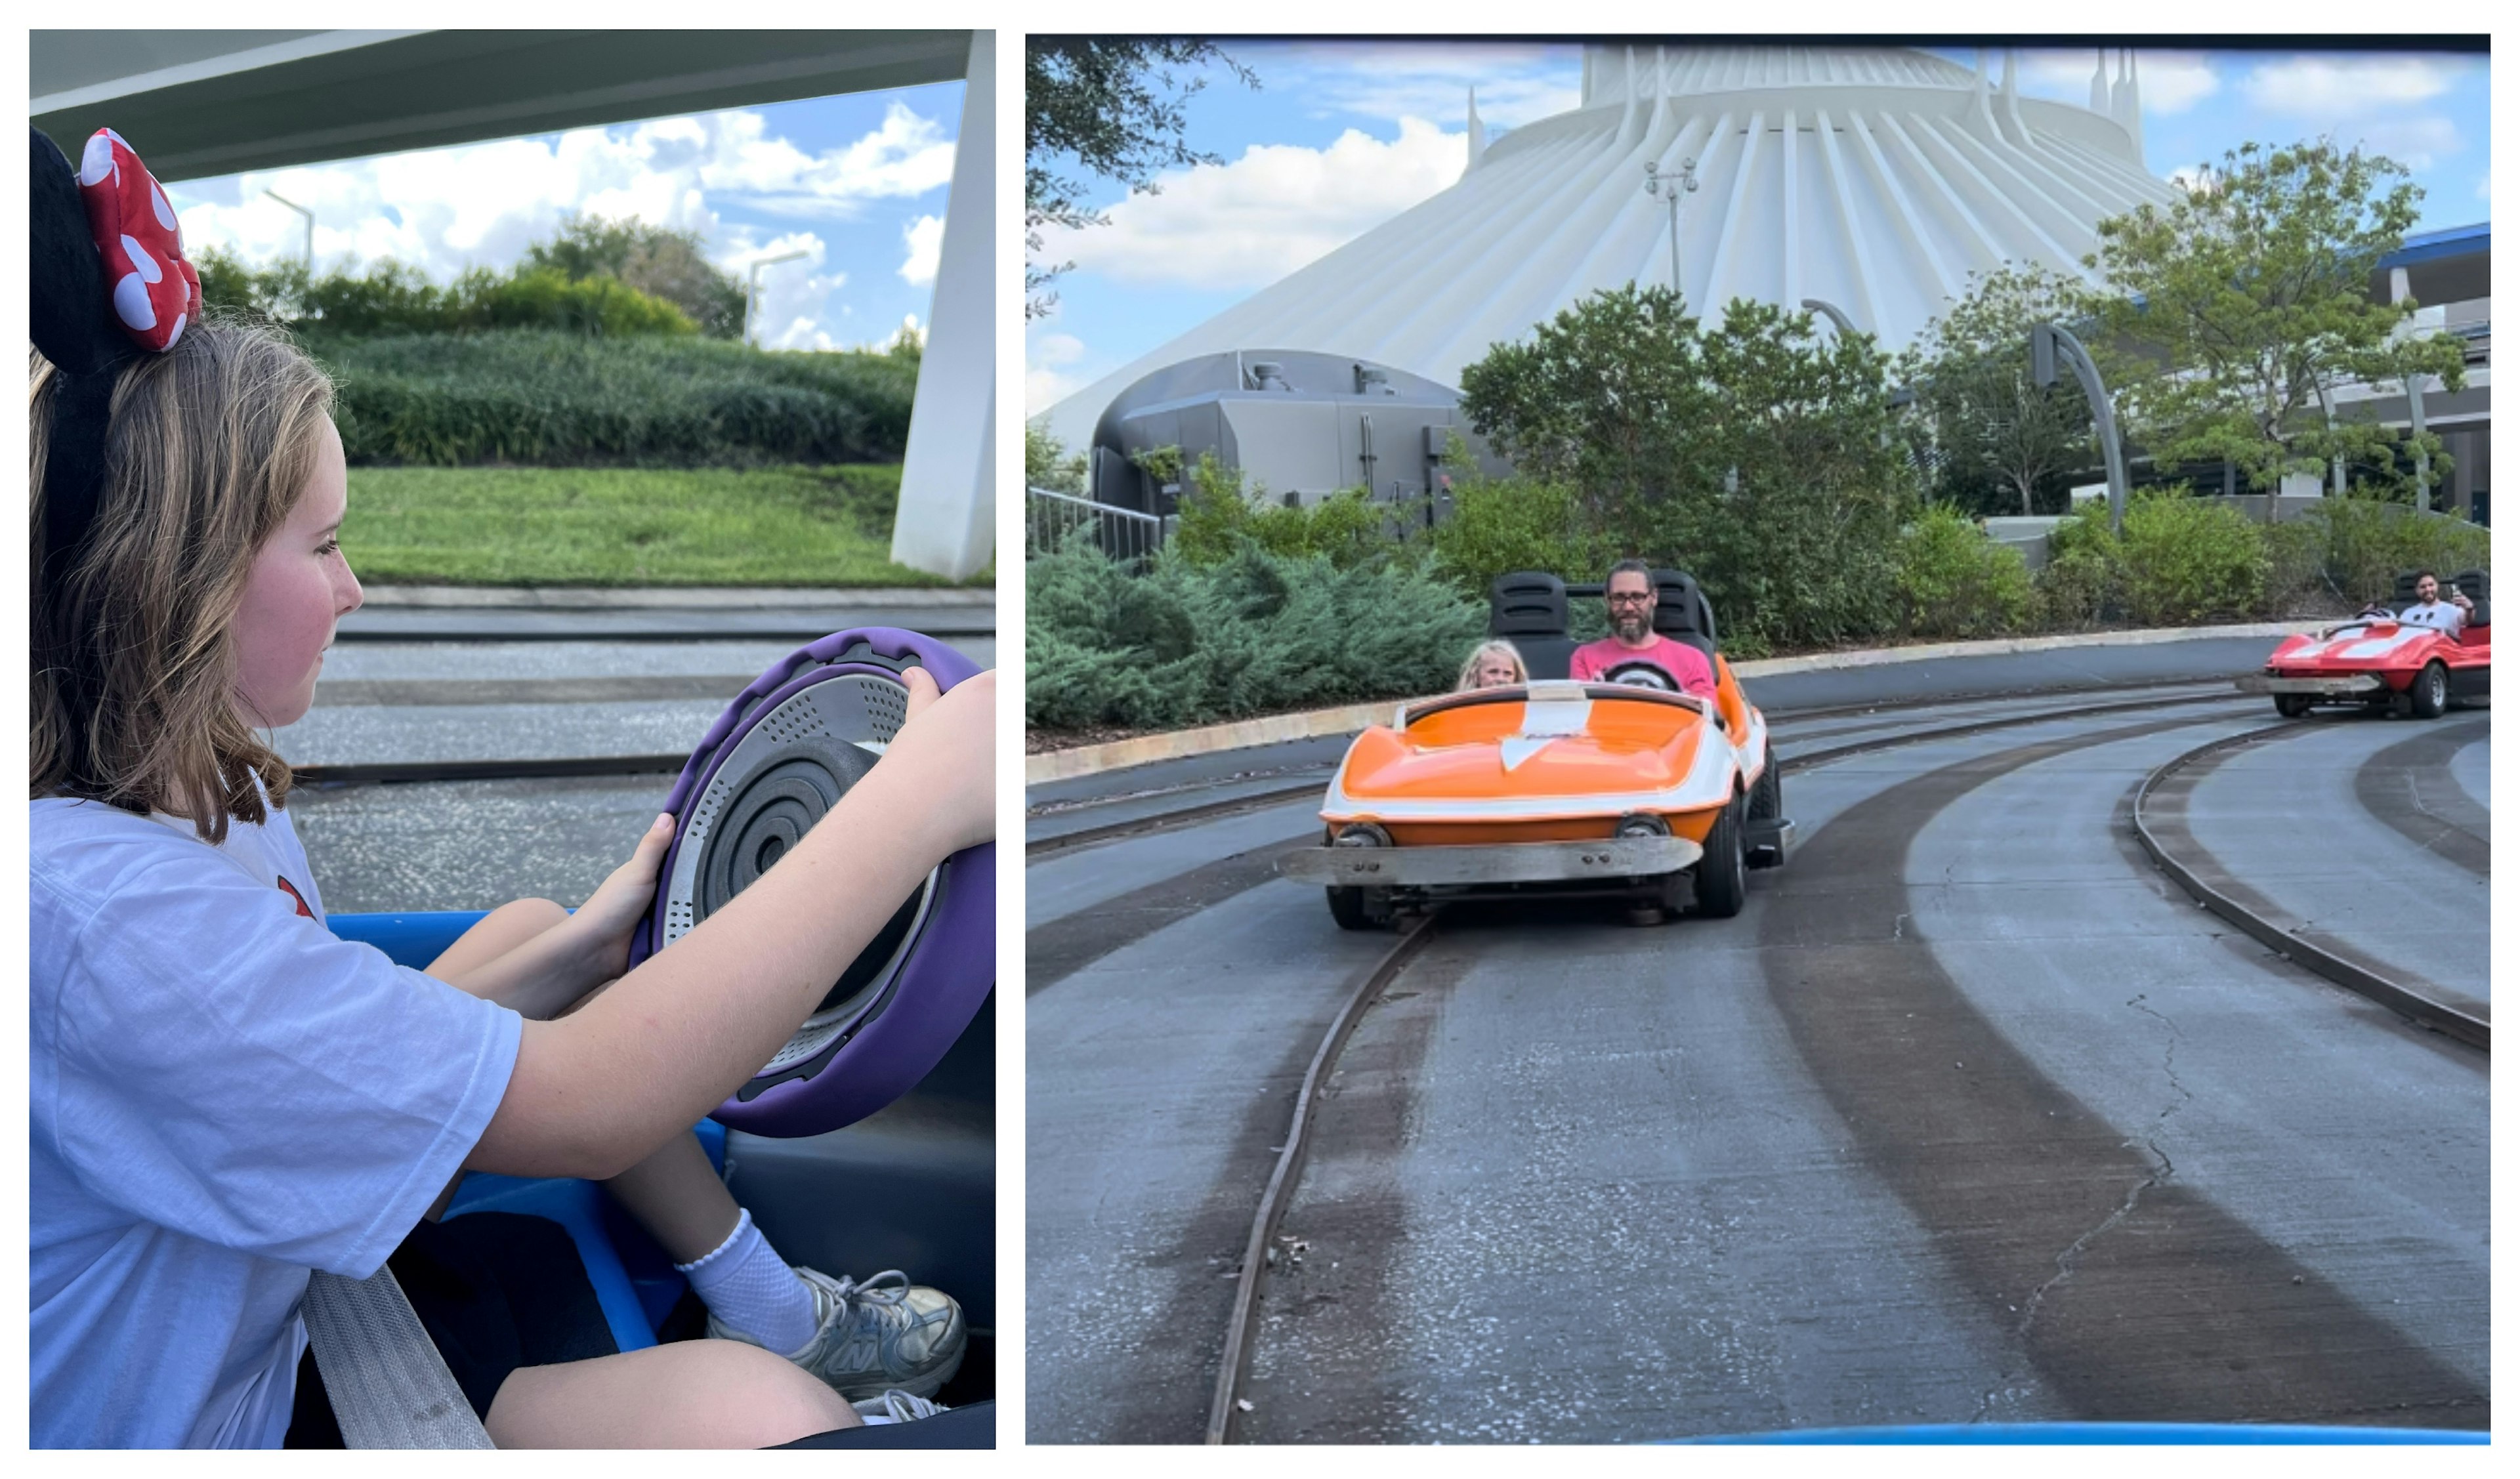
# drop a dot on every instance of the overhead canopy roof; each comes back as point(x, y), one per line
point(207, 102)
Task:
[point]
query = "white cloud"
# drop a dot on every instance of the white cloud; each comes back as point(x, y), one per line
point(2332, 87)
point(2417, 143)
point(1045, 383)
point(2169, 81)
point(923, 240)
point(792, 294)
point(1250, 222)
point(2485, 188)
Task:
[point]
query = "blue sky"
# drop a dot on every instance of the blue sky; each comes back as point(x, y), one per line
point(1343, 136)
point(857, 182)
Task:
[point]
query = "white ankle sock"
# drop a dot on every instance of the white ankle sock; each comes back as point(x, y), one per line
point(747, 1284)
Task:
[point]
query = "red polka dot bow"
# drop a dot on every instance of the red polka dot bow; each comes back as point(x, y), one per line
point(140, 247)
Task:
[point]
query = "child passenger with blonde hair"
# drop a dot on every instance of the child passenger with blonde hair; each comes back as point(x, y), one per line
point(1494, 664)
point(225, 1095)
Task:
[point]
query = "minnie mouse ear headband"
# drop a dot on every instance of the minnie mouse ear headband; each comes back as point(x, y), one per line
point(111, 285)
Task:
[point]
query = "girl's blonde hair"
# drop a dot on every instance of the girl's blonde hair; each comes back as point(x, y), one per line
point(1496, 647)
point(208, 448)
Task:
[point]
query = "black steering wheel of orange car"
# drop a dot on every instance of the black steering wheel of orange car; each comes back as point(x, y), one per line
point(1641, 674)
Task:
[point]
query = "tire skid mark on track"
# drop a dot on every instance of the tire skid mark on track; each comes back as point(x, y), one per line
point(2408, 785)
point(2161, 826)
point(2133, 1298)
point(1060, 948)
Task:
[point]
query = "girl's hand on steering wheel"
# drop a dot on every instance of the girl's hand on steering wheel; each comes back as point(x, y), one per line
point(949, 744)
point(608, 919)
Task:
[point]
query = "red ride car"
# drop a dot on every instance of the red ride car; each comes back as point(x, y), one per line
point(2382, 664)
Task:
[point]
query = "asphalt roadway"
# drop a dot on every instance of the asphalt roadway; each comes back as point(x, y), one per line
point(407, 683)
point(1970, 1116)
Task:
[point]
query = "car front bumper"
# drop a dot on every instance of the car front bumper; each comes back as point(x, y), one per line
point(1609, 860)
point(2343, 685)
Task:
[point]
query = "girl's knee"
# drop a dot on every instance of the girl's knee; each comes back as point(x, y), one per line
point(531, 915)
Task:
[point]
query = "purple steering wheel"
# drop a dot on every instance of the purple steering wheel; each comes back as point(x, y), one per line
point(780, 756)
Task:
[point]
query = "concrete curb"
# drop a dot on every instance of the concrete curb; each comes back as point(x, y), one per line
point(1348, 719)
point(673, 598)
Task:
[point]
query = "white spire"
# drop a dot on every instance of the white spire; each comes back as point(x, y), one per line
point(2101, 84)
point(1479, 132)
point(2134, 108)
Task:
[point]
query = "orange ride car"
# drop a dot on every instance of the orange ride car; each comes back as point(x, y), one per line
point(1554, 786)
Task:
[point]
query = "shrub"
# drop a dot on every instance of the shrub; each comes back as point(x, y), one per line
point(2186, 559)
point(1953, 581)
point(547, 397)
point(1254, 632)
point(1049, 464)
point(2076, 589)
point(1516, 523)
point(393, 298)
point(1217, 518)
point(2365, 543)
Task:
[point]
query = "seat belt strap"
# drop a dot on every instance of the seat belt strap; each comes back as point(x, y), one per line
point(388, 1386)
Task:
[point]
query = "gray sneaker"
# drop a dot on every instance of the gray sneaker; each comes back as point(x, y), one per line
point(871, 1337)
point(896, 1405)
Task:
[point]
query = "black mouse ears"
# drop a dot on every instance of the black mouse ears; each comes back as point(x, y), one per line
point(71, 321)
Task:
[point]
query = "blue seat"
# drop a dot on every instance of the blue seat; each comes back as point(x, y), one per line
point(634, 1278)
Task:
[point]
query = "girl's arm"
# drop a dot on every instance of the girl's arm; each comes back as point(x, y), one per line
point(595, 1092)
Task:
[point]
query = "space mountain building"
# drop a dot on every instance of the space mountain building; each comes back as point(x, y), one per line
point(1874, 180)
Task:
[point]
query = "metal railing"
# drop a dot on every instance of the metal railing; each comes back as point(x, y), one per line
point(1051, 521)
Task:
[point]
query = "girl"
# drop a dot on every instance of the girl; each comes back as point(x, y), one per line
point(225, 1095)
point(1496, 663)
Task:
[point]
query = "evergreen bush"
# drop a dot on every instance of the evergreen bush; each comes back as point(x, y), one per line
point(1254, 632)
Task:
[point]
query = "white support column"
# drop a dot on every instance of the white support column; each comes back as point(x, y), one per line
point(946, 522)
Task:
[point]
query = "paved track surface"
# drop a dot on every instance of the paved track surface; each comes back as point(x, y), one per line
point(478, 844)
point(1969, 1117)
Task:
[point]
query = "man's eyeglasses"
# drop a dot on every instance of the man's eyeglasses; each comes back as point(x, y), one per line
point(1641, 598)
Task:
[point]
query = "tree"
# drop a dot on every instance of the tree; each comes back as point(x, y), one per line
point(672, 265)
point(1117, 108)
point(1971, 370)
point(1757, 453)
point(2250, 299)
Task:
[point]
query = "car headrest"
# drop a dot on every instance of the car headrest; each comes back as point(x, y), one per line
point(1682, 611)
point(1527, 604)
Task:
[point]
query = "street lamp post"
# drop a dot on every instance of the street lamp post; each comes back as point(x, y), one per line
point(2048, 344)
point(1670, 190)
point(1833, 313)
point(753, 293)
point(310, 226)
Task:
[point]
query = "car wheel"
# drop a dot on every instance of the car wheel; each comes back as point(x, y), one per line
point(1347, 908)
point(1768, 797)
point(2292, 705)
point(2430, 693)
point(1724, 872)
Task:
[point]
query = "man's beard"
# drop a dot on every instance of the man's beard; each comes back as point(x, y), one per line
point(1631, 627)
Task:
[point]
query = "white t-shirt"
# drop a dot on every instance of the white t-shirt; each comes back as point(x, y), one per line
point(223, 1097)
point(2441, 616)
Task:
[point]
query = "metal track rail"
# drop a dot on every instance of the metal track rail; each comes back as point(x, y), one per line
point(409, 772)
point(2277, 933)
point(1241, 1324)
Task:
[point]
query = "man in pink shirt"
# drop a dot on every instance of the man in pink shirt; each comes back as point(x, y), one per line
point(1632, 639)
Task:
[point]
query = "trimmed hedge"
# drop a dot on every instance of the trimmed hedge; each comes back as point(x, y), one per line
point(1253, 633)
point(563, 399)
